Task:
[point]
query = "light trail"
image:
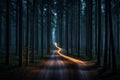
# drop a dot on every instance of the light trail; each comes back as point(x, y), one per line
point(67, 57)
point(83, 74)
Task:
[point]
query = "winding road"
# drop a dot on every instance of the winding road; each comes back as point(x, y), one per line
point(61, 67)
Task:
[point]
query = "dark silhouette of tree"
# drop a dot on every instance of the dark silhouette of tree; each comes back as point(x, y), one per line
point(71, 26)
point(96, 28)
point(60, 21)
point(27, 35)
point(114, 66)
point(118, 25)
point(106, 34)
point(17, 26)
point(0, 24)
point(42, 28)
point(79, 27)
point(90, 28)
point(87, 27)
point(66, 29)
point(37, 24)
point(48, 27)
point(99, 31)
point(33, 31)
point(20, 33)
point(7, 31)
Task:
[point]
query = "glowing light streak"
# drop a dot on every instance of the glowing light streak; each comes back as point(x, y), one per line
point(67, 57)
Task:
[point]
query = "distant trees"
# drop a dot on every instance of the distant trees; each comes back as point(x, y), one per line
point(81, 25)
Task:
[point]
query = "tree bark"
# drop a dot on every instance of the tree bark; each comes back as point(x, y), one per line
point(66, 17)
point(17, 26)
point(20, 33)
point(79, 28)
point(48, 27)
point(99, 33)
point(0, 25)
point(114, 65)
point(27, 35)
point(106, 35)
point(42, 29)
point(8, 32)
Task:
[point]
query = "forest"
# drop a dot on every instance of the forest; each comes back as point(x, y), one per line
point(64, 38)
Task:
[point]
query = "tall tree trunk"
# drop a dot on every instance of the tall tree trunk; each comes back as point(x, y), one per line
point(0, 25)
point(96, 27)
point(60, 22)
point(33, 31)
point(87, 19)
point(118, 25)
point(27, 35)
point(114, 65)
point(7, 32)
point(48, 27)
point(66, 27)
point(17, 26)
point(99, 32)
point(42, 29)
point(71, 29)
point(79, 27)
point(37, 24)
point(106, 35)
point(20, 32)
point(90, 29)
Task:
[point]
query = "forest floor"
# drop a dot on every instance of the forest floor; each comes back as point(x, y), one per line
point(34, 71)
point(14, 72)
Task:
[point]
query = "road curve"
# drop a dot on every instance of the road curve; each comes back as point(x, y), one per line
point(58, 67)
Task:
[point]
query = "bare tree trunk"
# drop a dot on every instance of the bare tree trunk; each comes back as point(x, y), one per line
point(20, 33)
point(99, 33)
point(106, 35)
point(33, 31)
point(7, 32)
point(79, 27)
point(37, 24)
point(0, 25)
point(71, 30)
point(114, 65)
point(27, 35)
point(42, 29)
point(118, 25)
point(66, 17)
point(48, 27)
point(17, 26)
point(90, 29)
point(96, 28)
